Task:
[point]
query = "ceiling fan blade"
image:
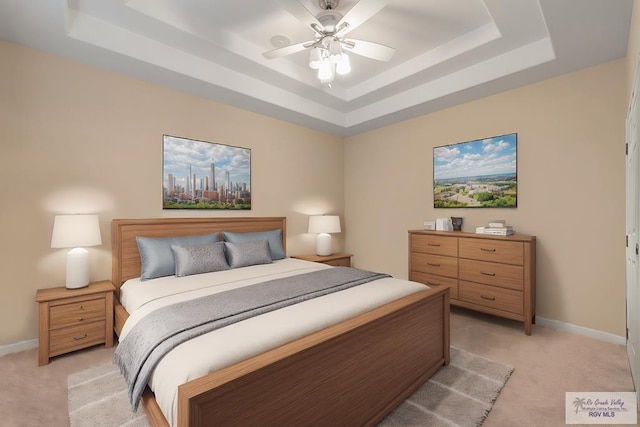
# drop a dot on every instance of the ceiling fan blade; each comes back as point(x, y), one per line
point(370, 49)
point(287, 50)
point(299, 11)
point(359, 13)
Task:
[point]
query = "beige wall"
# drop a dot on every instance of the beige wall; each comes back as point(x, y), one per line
point(633, 47)
point(571, 184)
point(79, 139)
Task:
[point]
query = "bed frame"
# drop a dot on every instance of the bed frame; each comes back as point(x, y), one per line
point(352, 373)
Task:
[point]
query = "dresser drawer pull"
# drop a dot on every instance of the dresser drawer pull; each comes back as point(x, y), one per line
point(432, 283)
point(488, 298)
point(432, 264)
point(80, 319)
point(437, 245)
point(80, 338)
point(80, 307)
point(487, 274)
point(488, 249)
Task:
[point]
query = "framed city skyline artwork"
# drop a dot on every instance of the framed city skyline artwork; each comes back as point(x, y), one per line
point(204, 175)
point(477, 174)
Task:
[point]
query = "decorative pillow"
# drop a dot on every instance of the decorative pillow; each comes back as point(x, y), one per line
point(199, 259)
point(273, 237)
point(248, 253)
point(157, 257)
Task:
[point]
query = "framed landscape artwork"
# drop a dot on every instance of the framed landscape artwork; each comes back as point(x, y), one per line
point(477, 174)
point(204, 175)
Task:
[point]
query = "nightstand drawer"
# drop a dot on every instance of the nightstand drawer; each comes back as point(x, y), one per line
point(73, 313)
point(339, 259)
point(76, 337)
point(340, 262)
point(491, 296)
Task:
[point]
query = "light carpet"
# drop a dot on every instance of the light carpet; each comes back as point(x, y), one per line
point(460, 394)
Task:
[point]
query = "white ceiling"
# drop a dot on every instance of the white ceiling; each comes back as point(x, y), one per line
point(447, 51)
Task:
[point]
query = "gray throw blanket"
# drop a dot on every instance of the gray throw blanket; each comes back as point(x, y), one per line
point(164, 329)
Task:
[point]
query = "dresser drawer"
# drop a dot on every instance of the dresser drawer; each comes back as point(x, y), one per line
point(492, 250)
point(437, 245)
point(434, 264)
point(77, 312)
point(490, 273)
point(491, 296)
point(433, 280)
point(72, 338)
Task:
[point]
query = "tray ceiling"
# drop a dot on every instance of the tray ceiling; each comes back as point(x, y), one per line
point(447, 52)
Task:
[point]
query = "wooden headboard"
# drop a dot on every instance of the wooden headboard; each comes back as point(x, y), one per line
point(126, 258)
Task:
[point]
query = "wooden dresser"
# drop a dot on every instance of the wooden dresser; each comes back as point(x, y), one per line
point(491, 274)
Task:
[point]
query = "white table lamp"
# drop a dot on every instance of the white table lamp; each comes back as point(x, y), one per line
point(323, 225)
point(75, 231)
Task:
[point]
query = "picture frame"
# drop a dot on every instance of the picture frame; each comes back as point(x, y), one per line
point(482, 173)
point(205, 175)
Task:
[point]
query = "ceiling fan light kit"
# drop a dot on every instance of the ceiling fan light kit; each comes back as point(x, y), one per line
point(327, 48)
point(329, 60)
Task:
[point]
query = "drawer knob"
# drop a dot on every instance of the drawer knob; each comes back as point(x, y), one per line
point(432, 284)
point(432, 264)
point(80, 319)
point(488, 249)
point(80, 338)
point(488, 298)
point(80, 307)
point(487, 274)
point(437, 245)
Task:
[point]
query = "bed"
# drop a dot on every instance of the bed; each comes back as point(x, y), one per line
point(352, 372)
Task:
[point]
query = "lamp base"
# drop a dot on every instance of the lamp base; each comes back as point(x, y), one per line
point(323, 244)
point(77, 268)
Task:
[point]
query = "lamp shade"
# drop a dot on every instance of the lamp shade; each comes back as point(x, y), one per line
point(75, 231)
point(70, 231)
point(324, 224)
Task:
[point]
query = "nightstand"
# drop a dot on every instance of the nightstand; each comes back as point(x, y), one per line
point(71, 319)
point(337, 260)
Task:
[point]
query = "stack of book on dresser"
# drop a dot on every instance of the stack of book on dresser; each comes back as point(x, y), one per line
point(496, 228)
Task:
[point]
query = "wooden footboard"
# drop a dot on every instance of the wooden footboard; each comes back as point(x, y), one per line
point(353, 373)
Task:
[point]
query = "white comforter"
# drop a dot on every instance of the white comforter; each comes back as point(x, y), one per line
point(223, 347)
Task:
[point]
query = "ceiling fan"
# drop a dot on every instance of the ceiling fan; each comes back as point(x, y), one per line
point(330, 28)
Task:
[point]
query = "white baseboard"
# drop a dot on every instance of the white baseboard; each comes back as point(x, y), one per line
point(17, 347)
point(581, 330)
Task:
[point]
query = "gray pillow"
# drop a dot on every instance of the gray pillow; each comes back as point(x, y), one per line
point(248, 253)
point(157, 257)
point(199, 259)
point(274, 238)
